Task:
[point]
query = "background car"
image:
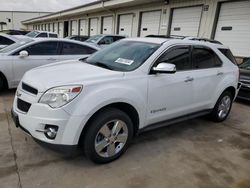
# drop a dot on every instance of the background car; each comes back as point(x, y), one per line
point(244, 92)
point(15, 32)
point(104, 40)
point(29, 53)
point(6, 40)
point(78, 37)
point(42, 34)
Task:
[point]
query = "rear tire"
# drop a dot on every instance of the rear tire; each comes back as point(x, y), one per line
point(222, 107)
point(108, 136)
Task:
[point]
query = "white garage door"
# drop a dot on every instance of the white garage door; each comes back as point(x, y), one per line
point(107, 25)
point(83, 27)
point(186, 21)
point(150, 23)
point(60, 29)
point(125, 25)
point(233, 27)
point(74, 27)
point(51, 27)
point(93, 30)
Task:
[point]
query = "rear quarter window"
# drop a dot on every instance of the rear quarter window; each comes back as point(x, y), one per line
point(228, 54)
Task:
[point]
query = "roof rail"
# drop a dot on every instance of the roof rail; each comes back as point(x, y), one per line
point(167, 36)
point(203, 39)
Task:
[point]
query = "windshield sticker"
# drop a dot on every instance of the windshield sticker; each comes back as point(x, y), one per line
point(124, 61)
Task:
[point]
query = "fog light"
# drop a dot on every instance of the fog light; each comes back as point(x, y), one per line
point(51, 131)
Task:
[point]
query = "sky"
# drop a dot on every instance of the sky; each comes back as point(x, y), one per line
point(40, 5)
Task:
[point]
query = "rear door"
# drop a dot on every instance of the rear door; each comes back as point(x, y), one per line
point(41, 53)
point(72, 50)
point(207, 74)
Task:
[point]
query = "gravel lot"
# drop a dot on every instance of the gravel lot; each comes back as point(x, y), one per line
point(193, 154)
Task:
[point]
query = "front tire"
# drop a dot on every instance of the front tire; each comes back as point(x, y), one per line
point(222, 107)
point(1, 84)
point(108, 135)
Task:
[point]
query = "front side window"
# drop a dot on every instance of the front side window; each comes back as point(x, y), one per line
point(179, 56)
point(106, 40)
point(205, 58)
point(75, 49)
point(42, 48)
point(123, 55)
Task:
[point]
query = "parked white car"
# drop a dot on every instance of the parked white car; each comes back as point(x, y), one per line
point(22, 56)
point(6, 40)
point(42, 34)
point(133, 85)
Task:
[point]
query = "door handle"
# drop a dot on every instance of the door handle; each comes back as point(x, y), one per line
point(189, 79)
point(220, 73)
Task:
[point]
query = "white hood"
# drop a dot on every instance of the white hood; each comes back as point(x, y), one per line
point(66, 73)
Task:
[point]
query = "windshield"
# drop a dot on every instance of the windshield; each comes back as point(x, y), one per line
point(123, 55)
point(245, 65)
point(16, 45)
point(94, 38)
point(32, 34)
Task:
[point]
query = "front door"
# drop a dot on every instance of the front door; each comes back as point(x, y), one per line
point(171, 95)
point(38, 54)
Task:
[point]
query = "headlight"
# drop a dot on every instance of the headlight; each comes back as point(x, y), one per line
point(59, 96)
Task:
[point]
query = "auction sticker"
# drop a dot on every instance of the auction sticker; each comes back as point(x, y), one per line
point(124, 61)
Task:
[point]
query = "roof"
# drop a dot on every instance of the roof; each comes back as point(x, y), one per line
point(148, 39)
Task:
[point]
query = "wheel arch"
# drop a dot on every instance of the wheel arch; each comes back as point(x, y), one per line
point(127, 108)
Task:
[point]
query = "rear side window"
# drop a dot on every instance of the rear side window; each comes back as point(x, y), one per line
point(75, 49)
point(229, 55)
point(116, 38)
point(179, 56)
point(51, 35)
point(42, 35)
point(205, 58)
point(5, 41)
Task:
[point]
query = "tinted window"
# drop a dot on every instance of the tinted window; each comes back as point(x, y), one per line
point(205, 58)
point(106, 40)
point(179, 56)
point(42, 35)
point(43, 48)
point(116, 38)
point(5, 41)
point(229, 55)
point(51, 35)
point(75, 49)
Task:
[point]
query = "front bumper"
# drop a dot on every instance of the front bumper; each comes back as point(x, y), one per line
point(34, 121)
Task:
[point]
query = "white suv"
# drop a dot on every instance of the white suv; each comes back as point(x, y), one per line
point(102, 102)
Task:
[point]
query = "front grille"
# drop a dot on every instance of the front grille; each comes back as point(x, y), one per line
point(30, 89)
point(244, 93)
point(23, 106)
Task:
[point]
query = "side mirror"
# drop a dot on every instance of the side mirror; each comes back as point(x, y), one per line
point(164, 68)
point(23, 53)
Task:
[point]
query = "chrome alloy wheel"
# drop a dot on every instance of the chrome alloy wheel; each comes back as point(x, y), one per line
point(224, 107)
point(111, 138)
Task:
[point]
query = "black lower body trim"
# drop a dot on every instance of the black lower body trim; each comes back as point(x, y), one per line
point(175, 120)
point(67, 150)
